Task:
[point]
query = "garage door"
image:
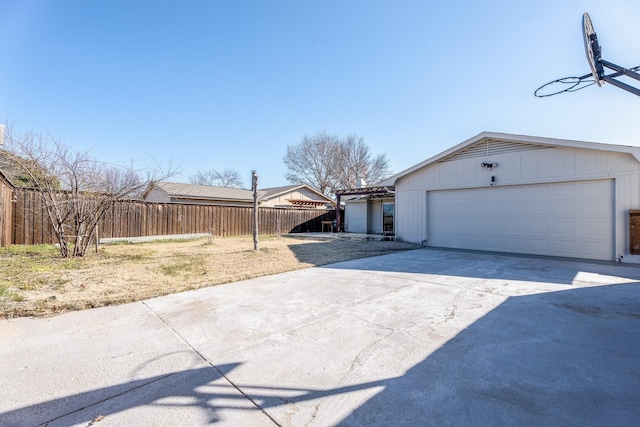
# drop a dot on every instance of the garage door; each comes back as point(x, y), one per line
point(572, 219)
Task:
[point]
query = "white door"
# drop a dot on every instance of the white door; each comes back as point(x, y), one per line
point(573, 219)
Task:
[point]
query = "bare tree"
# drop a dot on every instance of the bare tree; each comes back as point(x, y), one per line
point(227, 178)
point(311, 161)
point(75, 189)
point(354, 160)
point(328, 163)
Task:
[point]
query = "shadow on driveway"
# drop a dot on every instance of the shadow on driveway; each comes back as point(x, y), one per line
point(488, 265)
point(558, 358)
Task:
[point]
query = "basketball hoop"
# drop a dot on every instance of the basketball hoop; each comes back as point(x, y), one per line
point(565, 84)
point(597, 65)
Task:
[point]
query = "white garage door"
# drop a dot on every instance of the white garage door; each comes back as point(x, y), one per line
point(572, 219)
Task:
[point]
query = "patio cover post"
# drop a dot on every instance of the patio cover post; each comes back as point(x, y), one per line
point(338, 213)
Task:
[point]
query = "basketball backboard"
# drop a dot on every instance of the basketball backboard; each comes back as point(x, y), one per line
point(592, 49)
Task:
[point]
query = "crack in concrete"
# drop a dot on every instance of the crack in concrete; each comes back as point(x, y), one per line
point(452, 313)
point(322, 317)
point(356, 360)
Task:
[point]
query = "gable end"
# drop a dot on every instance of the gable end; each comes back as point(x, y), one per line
point(490, 147)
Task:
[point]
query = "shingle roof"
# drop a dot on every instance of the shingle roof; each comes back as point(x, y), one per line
point(5, 179)
point(270, 192)
point(9, 171)
point(195, 191)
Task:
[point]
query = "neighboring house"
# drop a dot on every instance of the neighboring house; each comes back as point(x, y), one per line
point(11, 173)
point(297, 196)
point(523, 194)
point(293, 196)
point(175, 192)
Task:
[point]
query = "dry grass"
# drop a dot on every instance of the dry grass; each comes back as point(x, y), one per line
point(34, 281)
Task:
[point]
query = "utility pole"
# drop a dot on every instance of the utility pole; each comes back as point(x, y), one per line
point(254, 187)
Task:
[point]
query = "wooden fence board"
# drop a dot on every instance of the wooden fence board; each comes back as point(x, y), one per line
point(26, 220)
point(6, 213)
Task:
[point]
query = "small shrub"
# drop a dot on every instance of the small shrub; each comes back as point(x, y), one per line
point(190, 265)
point(176, 268)
point(16, 297)
point(9, 294)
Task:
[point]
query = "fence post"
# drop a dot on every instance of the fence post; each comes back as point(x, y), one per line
point(254, 187)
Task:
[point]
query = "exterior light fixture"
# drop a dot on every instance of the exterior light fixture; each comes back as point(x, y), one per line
point(488, 166)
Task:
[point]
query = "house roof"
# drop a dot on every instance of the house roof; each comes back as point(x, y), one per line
point(208, 192)
point(10, 173)
point(528, 142)
point(269, 193)
point(5, 179)
point(205, 192)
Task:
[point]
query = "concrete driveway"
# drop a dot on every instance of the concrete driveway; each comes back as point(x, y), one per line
point(425, 337)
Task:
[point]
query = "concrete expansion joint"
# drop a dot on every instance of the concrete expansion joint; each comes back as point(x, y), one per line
point(107, 399)
point(220, 372)
point(180, 337)
point(316, 408)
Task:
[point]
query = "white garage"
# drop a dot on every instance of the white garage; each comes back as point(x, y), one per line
point(522, 194)
point(565, 219)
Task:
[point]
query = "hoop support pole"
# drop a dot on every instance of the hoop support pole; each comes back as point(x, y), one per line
point(620, 70)
point(621, 85)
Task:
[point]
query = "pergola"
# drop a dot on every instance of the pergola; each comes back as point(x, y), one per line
point(304, 203)
point(362, 191)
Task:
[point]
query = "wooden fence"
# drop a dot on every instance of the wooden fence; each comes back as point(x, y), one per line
point(6, 212)
point(136, 218)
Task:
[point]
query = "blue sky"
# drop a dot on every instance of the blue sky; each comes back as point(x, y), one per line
point(229, 84)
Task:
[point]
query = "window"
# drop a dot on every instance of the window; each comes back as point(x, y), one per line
point(387, 217)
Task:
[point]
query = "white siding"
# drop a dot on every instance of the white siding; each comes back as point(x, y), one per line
point(356, 217)
point(522, 167)
point(548, 165)
point(411, 215)
point(374, 225)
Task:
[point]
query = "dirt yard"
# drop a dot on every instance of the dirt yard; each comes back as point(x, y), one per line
point(35, 281)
